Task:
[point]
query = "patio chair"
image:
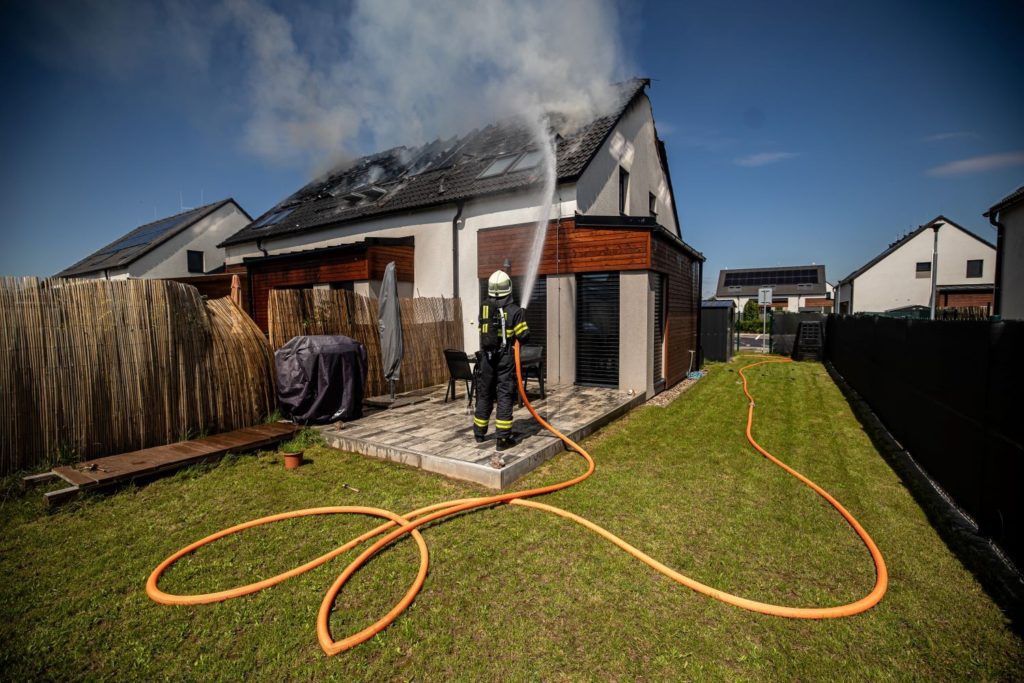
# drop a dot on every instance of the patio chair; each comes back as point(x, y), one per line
point(531, 359)
point(459, 369)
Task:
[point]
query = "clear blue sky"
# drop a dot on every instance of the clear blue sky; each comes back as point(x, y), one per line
point(797, 132)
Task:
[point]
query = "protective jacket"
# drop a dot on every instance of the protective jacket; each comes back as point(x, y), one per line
point(502, 322)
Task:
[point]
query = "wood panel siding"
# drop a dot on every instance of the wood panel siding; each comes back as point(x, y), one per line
point(361, 262)
point(568, 248)
point(964, 299)
point(682, 306)
point(217, 286)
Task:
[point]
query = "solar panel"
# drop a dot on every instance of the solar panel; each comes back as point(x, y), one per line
point(146, 234)
point(756, 278)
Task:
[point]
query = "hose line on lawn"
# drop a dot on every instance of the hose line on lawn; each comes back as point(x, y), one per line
point(397, 526)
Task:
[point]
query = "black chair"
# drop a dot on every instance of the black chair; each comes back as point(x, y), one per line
point(459, 369)
point(531, 360)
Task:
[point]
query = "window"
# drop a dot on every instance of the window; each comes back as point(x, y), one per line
point(924, 269)
point(195, 261)
point(974, 267)
point(623, 189)
point(498, 166)
point(528, 160)
point(652, 205)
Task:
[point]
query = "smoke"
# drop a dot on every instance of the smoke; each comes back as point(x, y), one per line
point(315, 83)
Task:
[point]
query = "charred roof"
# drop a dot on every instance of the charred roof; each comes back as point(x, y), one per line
point(498, 158)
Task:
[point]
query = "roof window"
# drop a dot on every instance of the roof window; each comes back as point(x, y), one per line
point(528, 160)
point(499, 166)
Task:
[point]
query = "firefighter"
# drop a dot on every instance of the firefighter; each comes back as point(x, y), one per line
point(502, 322)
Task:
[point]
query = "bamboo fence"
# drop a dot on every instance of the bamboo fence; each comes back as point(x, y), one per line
point(97, 367)
point(429, 326)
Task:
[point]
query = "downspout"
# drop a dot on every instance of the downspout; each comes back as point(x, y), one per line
point(700, 300)
point(259, 246)
point(935, 265)
point(456, 220)
point(997, 291)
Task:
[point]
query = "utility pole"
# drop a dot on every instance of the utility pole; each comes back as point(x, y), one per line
point(935, 264)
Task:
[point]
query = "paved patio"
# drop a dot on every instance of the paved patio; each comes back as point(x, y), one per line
point(438, 437)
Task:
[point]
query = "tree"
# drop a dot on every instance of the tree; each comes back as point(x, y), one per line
point(751, 311)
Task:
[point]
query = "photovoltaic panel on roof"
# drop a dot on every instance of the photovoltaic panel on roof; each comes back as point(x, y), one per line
point(146, 234)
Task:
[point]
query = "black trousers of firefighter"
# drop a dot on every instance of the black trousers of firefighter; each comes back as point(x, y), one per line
point(497, 380)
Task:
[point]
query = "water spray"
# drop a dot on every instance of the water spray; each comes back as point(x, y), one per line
point(546, 146)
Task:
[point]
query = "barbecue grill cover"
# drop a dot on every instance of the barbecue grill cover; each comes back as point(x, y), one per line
point(320, 379)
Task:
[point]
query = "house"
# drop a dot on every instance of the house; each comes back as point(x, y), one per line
point(794, 288)
point(1008, 218)
point(177, 246)
point(901, 276)
point(616, 301)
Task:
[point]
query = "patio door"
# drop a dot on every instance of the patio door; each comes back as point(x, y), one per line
point(597, 329)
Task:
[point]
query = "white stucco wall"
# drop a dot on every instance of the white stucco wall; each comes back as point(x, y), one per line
point(1012, 275)
point(170, 258)
point(892, 282)
point(632, 145)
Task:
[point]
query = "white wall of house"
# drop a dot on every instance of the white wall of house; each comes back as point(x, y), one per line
point(632, 145)
point(893, 282)
point(170, 259)
point(1011, 285)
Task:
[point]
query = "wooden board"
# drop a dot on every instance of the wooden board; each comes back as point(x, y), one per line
point(127, 466)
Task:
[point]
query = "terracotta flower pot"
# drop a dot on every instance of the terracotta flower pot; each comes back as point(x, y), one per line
point(292, 460)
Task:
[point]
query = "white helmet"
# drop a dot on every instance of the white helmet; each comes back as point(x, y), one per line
point(499, 285)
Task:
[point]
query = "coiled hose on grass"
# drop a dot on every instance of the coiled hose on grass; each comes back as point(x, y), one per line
point(397, 526)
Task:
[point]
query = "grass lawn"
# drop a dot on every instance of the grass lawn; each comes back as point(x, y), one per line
point(514, 593)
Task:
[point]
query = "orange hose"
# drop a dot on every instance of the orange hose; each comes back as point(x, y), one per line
point(400, 525)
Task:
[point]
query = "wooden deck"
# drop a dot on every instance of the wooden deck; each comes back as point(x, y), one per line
point(118, 469)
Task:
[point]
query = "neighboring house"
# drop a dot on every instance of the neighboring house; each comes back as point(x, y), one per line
point(901, 276)
point(176, 246)
point(616, 302)
point(794, 288)
point(1008, 218)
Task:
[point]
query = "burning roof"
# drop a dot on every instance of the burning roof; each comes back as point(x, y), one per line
point(499, 158)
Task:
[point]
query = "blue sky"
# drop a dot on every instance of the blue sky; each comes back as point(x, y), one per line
point(797, 132)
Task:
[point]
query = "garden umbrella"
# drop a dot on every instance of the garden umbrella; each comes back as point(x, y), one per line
point(389, 319)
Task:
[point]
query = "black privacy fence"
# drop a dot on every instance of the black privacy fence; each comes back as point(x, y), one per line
point(950, 392)
point(785, 325)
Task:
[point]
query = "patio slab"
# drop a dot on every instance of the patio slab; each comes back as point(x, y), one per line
point(438, 437)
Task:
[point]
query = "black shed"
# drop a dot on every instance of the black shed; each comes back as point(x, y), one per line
point(717, 324)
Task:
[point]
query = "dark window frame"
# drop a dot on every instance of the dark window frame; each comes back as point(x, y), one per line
point(980, 263)
point(623, 190)
point(652, 204)
point(190, 256)
point(923, 272)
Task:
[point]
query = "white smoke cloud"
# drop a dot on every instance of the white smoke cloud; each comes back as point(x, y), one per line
point(317, 82)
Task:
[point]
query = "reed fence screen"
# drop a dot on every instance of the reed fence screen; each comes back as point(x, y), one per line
point(429, 326)
point(91, 368)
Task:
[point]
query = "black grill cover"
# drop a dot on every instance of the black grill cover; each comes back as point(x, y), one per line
point(320, 379)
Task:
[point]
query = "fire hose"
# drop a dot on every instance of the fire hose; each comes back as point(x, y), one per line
point(398, 526)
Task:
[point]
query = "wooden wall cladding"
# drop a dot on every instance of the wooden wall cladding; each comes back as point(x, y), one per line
point(567, 249)
point(682, 306)
point(307, 270)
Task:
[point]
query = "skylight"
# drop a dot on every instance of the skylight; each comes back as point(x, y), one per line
point(498, 166)
point(528, 160)
point(272, 218)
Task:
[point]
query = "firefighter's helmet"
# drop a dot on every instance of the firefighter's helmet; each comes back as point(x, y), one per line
point(499, 285)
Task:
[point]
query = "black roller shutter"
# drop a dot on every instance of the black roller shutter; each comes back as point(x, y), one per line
point(658, 283)
point(597, 329)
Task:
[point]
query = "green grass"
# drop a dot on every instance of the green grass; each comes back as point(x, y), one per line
point(513, 593)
